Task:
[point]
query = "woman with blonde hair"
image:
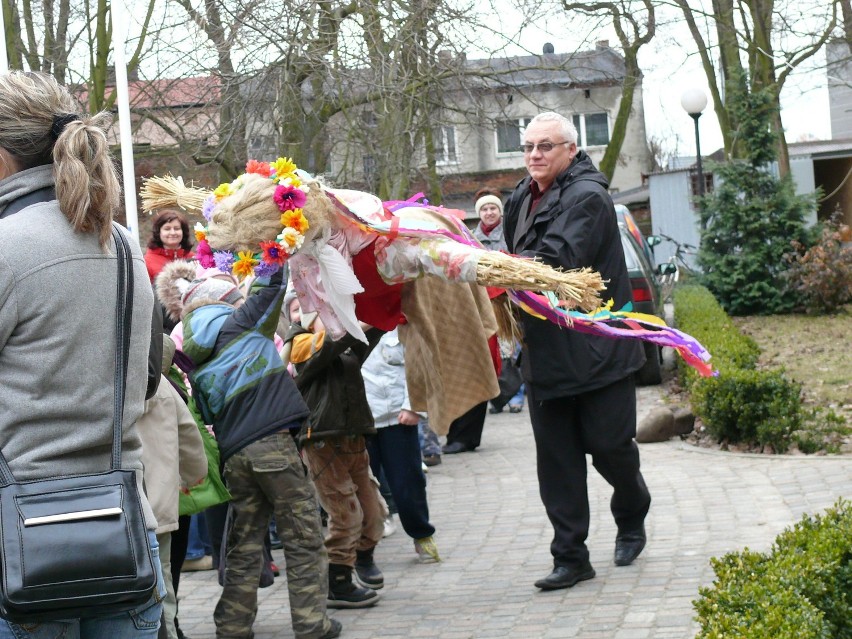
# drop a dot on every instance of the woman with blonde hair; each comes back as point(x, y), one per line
point(58, 196)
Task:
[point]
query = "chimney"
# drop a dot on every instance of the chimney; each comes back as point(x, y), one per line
point(547, 48)
point(602, 44)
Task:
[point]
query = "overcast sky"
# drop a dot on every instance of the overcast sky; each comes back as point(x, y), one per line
point(668, 72)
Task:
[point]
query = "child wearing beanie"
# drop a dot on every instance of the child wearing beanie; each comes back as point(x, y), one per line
point(243, 389)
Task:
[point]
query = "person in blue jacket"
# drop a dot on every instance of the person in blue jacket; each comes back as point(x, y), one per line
point(243, 389)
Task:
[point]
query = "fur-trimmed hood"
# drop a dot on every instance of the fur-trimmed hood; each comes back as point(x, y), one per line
point(171, 284)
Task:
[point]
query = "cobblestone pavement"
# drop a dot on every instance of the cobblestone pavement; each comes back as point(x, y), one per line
point(494, 537)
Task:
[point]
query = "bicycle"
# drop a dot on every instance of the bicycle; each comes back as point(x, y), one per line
point(670, 271)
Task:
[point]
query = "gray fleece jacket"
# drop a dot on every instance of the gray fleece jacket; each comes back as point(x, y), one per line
point(57, 343)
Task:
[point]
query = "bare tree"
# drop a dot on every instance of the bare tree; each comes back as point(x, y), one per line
point(635, 25)
point(68, 31)
point(760, 43)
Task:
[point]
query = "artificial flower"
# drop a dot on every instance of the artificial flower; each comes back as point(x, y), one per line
point(289, 198)
point(283, 167)
point(291, 180)
point(244, 265)
point(291, 240)
point(273, 253)
point(295, 219)
point(207, 207)
point(260, 168)
point(264, 269)
point(223, 190)
point(200, 232)
point(223, 260)
point(204, 254)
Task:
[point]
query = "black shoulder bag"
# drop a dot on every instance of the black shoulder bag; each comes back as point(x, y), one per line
point(77, 546)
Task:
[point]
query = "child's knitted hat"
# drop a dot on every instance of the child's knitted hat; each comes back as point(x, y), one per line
point(183, 286)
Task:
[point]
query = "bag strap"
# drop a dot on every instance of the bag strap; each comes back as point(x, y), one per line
point(124, 307)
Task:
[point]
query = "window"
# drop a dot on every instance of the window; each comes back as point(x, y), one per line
point(592, 129)
point(444, 138)
point(510, 134)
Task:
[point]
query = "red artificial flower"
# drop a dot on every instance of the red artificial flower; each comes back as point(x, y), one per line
point(273, 253)
point(261, 168)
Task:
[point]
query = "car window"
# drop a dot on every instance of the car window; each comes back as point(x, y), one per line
point(630, 256)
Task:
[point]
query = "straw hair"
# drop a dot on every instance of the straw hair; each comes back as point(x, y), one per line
point(244, 219)
point(578, 288)
point(249, 216)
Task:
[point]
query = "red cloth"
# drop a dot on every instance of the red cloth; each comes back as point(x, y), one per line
point(487, 229)
point(494, 347)
point(157, 258)
point(380, 304)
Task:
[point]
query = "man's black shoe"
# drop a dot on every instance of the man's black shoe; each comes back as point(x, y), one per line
point(628, 546)
point(456, 447)
point(566, 576)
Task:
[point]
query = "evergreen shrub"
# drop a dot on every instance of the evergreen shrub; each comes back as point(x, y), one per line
point(800, 589)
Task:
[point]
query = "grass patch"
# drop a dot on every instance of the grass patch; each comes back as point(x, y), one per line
point(814, 350)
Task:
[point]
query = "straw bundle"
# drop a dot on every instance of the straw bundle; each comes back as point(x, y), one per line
point(169, 192)
point(579, 288)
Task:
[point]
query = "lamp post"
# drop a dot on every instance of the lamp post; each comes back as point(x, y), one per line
point(693, 102)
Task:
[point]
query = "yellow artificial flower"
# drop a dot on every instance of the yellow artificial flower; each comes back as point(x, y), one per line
point(295, 219)
point(223, 190)
point(284, 168)
point(244, 265)
point(200, 232)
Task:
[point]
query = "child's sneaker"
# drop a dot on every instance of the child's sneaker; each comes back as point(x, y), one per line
point(427, 551)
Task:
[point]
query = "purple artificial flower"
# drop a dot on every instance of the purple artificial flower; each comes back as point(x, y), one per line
point(207, 207)
point(224, 261)
point(266, 269)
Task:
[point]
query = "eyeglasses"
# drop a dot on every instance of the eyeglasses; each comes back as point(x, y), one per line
point(544, 147)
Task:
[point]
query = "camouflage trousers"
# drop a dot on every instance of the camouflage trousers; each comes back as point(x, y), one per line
point(349, 493)
point(264, 478)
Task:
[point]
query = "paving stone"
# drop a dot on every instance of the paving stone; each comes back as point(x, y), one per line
point(494, 537)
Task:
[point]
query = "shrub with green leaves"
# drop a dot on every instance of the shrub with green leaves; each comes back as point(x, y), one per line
point(697, 313)
point(752, 406)
point(744, 404)
point(821, 275)
point(800, 589)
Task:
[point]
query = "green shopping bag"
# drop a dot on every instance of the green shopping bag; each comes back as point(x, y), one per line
point(212, 490)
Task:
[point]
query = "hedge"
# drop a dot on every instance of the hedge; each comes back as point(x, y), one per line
point(800, 589)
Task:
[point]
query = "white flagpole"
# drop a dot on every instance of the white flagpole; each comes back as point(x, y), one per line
point(4, 57)
point(120, 22)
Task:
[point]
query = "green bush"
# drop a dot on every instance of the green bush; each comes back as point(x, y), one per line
point(750, 406)
point(743, 403)
point(800, 589)
point(697, 313)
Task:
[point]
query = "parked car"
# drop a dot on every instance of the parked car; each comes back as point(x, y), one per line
point(645, 283)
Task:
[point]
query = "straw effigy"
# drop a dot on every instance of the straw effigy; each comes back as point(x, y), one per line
point(576, 288)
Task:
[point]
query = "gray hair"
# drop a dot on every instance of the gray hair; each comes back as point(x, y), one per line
point(568, 128)
point(87, 186)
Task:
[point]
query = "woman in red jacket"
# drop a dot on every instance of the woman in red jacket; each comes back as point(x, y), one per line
point(170, 240)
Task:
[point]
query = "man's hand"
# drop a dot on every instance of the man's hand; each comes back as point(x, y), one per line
point(408, 418)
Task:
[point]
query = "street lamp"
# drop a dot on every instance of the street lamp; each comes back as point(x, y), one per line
point(693, 102)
